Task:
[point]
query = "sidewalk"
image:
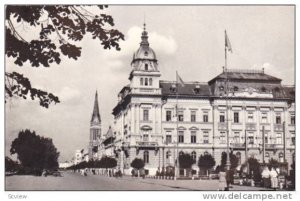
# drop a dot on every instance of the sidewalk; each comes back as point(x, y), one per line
point(198, 185)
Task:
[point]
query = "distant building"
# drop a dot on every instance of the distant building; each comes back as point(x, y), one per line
point(81, 155)
point(145, 121)
point(65, 165)
point(95, 130)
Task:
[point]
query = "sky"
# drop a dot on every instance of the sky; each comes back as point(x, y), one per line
point(189, 39)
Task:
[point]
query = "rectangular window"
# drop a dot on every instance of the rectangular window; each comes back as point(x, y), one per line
point(193, 116)
point(250, 117)
point(251, 139)
point(293, 120)
point(180, 137)
point(293, 140)
point(205, 117)
point(145, 137)
point(264, 117)
point(146, 115)
point(278, 119)
point(169, 115)
point(278, 138)
point(222, 118)
point(193, 137)
point(180, 116)
point(236, 117)
point(168, 138)
point(237, 137)
point(222, 137)
point(205, 137)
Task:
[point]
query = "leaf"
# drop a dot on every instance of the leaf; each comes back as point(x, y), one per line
point(70, 50)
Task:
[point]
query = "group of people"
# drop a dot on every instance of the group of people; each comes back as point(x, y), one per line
point(270, 177)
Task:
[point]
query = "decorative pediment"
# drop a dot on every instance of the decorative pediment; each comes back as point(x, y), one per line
point(194, 128)
point(146, 127)
point(181, 128)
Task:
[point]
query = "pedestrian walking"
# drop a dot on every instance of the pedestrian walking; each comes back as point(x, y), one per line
point(274, 179)
point(265, 175)
point(222, 181)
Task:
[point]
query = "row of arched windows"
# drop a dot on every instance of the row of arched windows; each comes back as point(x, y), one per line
point(146, 81)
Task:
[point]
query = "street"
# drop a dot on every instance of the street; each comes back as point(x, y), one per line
point(74, 181)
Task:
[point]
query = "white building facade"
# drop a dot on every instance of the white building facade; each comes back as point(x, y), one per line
point(146, 124)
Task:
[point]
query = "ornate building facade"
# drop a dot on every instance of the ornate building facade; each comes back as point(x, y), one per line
point(146, 125)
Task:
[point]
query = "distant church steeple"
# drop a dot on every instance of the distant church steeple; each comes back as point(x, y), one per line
point(95, 130)
point(96, 115)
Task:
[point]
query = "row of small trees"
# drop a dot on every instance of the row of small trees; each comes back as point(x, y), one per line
point(104, 162)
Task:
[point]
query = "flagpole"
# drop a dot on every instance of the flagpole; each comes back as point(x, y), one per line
point(177, 158)
point(227, 115)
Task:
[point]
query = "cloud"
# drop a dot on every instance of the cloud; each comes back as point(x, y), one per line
point(161, 44)
point(67, 94)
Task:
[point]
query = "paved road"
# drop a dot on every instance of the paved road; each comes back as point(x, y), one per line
point(74, 181)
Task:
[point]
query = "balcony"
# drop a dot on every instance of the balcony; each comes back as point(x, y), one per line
point(270, 146)
point(222, 126)
point(278, 127)
point(250, 126)
point(146, 144)
point(237, 145)
point(146, 91)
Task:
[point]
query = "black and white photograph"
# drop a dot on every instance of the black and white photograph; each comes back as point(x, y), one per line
point(149, 98)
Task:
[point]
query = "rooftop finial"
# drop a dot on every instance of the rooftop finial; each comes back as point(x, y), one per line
point(144, 22)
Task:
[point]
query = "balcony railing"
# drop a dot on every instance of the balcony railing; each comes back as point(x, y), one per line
point(278, 127)
point(270, 146)
point(238, 145)
point(250, 126)
point(146, 144)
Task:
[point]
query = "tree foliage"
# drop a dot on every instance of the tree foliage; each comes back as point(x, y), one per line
point(254, 169)
point(18, 85)
point(11, 165)
point(137, 163)
point(35, 152)
point(206, 161)
point(60, 28)
point(186, 161)
point(234, 161)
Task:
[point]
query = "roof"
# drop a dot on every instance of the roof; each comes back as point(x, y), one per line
point(190, 89)
point(96, 113)
point(246, 75)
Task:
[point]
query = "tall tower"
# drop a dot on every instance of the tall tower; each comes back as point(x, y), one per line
point(95, 130)
point(144, 77)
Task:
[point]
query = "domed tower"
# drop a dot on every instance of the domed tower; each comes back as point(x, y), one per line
point(145, 74)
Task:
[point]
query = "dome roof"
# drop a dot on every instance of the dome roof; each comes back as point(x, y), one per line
point(144, 51)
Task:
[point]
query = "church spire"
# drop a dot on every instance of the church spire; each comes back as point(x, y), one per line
point(96, 114)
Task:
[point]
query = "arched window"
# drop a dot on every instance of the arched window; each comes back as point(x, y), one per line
point(281, 157)
point(146, 81)
point(146, 66)
point(141, 81)
point(146, 156)
point(150, 81)
point(169, 156)
point(194, 156)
